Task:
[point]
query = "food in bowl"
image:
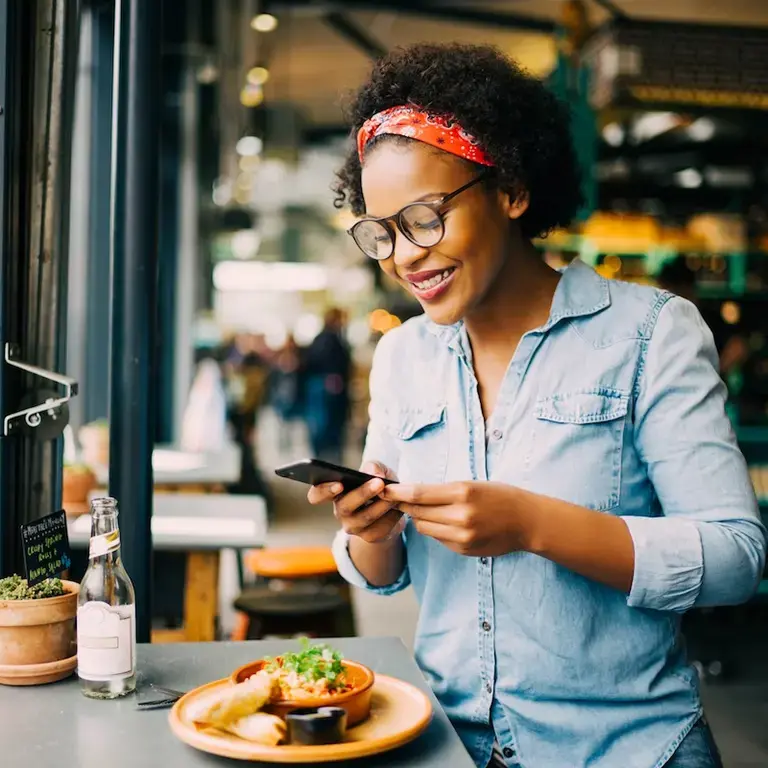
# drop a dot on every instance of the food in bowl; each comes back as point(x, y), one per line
point(316, 676)
point(316, 671)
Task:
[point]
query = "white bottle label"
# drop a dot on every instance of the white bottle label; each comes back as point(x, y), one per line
point(105, 641)
point(103, 544)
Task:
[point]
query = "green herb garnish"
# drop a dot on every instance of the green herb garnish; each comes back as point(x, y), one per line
point(16, 588)
point(312, 662)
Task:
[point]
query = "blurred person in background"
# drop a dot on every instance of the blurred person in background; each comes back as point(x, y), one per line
point(246, 372)
point(567, 480)
point(287, 390)
point(204, 425)
point(327, 368)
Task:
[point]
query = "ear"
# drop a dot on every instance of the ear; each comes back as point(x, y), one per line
point(514, 204)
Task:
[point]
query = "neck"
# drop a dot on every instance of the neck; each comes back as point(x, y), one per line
point(519, 300)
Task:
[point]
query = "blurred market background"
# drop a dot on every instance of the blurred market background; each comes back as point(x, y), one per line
point(169, 242)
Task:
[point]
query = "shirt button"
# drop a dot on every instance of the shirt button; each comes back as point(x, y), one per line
point(484, 561)
point(497, 434)
point(507, 752)
point(486, 626)
point(489, 688)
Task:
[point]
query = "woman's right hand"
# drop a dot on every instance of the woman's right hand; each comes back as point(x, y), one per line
point(372, 521)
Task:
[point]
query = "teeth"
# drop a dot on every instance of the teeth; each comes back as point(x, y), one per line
point(433, 281)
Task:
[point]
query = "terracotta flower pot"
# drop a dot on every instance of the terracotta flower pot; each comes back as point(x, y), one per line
point(37, 638)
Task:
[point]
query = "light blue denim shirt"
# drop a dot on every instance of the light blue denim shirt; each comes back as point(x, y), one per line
point(614, 404)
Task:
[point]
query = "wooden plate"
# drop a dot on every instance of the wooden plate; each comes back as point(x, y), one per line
point(399, 713)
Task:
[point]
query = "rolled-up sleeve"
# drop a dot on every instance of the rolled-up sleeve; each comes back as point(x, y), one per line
point(708, 545)
point(350, 574)
point(381, 448)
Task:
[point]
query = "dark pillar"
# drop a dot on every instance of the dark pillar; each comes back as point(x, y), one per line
point(135, 177)
point(95, 390)
point(38, 55)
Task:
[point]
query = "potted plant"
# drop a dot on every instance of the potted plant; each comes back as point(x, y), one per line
point(37, 631)
point(78, 481)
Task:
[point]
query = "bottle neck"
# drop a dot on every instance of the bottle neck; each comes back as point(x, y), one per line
point(105, 536)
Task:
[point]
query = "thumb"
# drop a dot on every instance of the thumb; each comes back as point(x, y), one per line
point(377, 469)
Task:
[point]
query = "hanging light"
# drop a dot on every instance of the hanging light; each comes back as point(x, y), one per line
point(207, 73)
point(251, 95)
point(249, 163)
point(730, 311)
point(264, 22)
point(249, 146)
point(257, 75)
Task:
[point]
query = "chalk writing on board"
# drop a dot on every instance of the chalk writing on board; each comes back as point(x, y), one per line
point(46, 547)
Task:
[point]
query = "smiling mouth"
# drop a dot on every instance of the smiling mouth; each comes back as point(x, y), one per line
point(433, 282)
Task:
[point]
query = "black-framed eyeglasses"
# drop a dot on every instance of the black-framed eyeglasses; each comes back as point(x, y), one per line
point(422, 223)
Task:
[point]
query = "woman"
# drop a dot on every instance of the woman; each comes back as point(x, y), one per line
point(286, 386)
point(569, 483)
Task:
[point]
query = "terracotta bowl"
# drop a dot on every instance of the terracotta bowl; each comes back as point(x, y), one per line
point(356, 702)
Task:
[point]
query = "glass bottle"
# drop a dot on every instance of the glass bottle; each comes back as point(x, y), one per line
point(106, 612)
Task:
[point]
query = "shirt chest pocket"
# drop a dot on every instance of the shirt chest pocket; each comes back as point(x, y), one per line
point(576, 447)
point(421, 437)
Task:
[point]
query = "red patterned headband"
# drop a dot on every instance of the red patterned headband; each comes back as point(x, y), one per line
point(439, 131)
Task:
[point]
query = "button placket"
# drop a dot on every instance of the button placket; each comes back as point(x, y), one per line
point(485, 635)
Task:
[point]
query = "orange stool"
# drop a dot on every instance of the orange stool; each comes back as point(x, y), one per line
point(303, 593)
point(291, 563)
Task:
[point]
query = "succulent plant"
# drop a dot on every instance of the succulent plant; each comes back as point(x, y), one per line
point(16, 588)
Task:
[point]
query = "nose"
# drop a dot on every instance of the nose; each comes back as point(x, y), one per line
point(406, 252)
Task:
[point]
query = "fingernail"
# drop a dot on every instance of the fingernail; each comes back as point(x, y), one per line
point(337, 488)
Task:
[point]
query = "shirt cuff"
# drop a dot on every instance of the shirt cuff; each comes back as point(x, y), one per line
point(350, 573)
point(669, 563)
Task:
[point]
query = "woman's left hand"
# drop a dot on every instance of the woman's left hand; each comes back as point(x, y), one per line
point(471, 518)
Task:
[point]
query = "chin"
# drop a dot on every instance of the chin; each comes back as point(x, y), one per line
point(448, 315)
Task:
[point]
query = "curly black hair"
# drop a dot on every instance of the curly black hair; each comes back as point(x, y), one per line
point(522, 125)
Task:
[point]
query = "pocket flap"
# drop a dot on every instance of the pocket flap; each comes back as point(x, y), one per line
point(406, 422)
point(585, 407)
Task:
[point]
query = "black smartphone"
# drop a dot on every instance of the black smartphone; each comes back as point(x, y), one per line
point(317, 471)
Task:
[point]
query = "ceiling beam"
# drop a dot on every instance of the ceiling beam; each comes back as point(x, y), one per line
point(355, 34)
point(456, 14)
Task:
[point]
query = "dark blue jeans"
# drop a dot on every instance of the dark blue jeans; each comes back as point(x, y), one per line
point(697, 749)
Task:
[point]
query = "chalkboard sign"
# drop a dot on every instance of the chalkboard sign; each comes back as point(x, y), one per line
point(45, 544)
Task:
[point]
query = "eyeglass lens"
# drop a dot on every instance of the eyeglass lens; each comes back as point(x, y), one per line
point(421, 224)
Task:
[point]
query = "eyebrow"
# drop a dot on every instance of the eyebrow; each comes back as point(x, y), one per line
point(426, 198)
point(429, 197)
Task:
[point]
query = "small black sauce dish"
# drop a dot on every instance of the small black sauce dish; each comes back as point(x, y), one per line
point(311, 726)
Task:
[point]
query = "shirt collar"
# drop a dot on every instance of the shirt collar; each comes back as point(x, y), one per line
point(580, 292)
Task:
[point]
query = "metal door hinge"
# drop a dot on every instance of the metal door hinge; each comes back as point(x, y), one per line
point(32, 416)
